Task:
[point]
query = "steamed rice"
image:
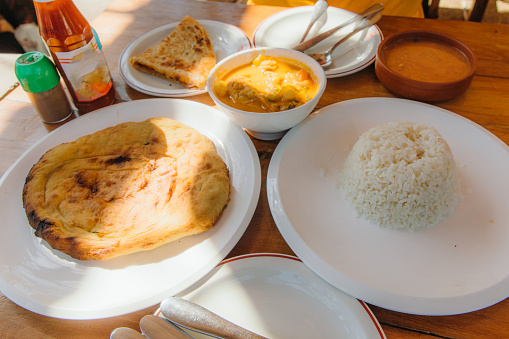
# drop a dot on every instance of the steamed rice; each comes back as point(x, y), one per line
point(401, 175)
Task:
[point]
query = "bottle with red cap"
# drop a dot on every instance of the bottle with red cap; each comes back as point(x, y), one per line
point(77, 54)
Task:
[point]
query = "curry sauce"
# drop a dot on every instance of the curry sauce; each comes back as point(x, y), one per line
point(267, 84)
point(426, 60)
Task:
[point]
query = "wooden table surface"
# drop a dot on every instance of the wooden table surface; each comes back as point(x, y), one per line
point(486, 102)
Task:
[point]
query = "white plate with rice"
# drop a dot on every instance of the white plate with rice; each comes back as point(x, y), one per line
point(457, 266)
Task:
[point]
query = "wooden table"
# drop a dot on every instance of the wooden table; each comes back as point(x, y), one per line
point(486, 102)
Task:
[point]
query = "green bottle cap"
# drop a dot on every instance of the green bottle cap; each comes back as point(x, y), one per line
point(36, 73)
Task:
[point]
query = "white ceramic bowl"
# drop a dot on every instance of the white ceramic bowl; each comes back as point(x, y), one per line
point(267, 126)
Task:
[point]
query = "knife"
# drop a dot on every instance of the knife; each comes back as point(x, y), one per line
point(197, 318)
point(313, 41)
point(154, 327)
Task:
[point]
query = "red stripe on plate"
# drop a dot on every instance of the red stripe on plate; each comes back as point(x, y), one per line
point(277, 255)
point(377, 324)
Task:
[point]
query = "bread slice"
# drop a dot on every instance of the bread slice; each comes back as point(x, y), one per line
point(185, 56)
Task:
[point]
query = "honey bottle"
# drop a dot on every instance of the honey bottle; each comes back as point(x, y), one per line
point(76, 53)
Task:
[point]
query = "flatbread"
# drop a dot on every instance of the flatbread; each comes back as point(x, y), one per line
point(128, 188)
point(185, 56)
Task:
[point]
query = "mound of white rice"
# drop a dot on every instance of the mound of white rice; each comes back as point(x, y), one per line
point(401, 175)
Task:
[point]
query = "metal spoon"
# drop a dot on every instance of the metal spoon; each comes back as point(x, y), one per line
point(317, 39)
point(325, 58)
point(154, 327)
point(194, 317)
point(126, 333)
point(319, 15)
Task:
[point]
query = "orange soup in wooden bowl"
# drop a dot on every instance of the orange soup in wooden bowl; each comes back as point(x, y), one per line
point(425, 66)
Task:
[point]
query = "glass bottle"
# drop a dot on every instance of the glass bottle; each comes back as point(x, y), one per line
point(40, 80)
point(76, 52)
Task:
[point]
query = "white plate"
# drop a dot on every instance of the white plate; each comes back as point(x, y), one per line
point(277, 296)
point(460, 265)
point(286, 28)
point(226, 40)
point(51, 283)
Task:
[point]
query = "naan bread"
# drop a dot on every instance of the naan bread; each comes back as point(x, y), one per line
point(185, 56)
point(128, 188)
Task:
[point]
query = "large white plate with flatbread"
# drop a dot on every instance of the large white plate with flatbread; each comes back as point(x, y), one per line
point(225, 38)
point(457, 266)
point(277, 296)
point(51, 283)
point(286, 28)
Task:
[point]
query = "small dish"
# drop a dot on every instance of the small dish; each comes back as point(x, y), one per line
point(267, 126)
point(285, 28)
point(425, 66)
point(226, 40)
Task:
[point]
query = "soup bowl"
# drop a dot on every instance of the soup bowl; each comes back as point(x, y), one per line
point(273, 125)
point(432, 57)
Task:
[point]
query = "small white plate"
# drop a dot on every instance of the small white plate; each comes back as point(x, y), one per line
point(457, 266)
point(277, 296)
point(226, 40)
point(286, 28)
point(48, 282)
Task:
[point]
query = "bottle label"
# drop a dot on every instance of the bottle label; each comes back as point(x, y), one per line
point(87, 71)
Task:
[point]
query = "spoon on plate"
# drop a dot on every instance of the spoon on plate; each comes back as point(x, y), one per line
point(325, 58)
point(303, 46)
point(189, 315)
point(126, 333)
point(318, 16)
point(154, 327)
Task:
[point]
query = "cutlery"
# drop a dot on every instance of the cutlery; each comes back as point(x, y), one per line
point(197, 318)
point(325, 58)
point(376, 8)
point(125, 333)
point(319, 15)
point(154, 327)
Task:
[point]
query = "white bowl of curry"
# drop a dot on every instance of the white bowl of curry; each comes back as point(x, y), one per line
point(267, 90)
point(425, 66)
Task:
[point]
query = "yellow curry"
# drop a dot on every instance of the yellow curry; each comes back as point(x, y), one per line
point(267, 84)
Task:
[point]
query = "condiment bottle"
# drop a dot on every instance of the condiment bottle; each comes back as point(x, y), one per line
point(39, 78)
point(76, 53)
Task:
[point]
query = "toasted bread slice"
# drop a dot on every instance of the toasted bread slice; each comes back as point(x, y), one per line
point(185, 56)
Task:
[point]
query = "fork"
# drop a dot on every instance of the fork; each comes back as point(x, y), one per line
point(325, 58)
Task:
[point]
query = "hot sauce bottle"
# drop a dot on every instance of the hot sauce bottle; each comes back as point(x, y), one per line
point(76, 52)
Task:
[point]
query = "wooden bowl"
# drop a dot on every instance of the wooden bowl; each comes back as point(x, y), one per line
point(425, 66)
